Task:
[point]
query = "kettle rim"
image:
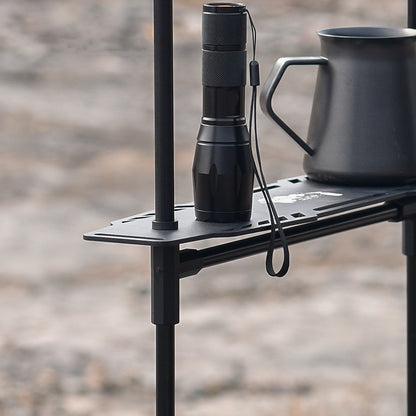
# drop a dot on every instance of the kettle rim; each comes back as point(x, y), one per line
point(367, 32)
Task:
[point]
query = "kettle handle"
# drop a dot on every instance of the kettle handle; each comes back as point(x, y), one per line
point(270, 86)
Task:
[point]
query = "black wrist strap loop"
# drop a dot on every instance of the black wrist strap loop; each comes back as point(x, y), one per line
point(275, 224)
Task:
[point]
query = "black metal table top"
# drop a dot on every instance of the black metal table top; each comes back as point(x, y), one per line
point(297, 200)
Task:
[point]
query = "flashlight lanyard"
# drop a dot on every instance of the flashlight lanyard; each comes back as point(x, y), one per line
point(258, 169)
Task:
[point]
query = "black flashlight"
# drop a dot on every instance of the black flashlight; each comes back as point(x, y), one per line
point(223, 168)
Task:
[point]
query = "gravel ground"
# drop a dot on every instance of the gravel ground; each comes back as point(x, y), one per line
point(76, 117)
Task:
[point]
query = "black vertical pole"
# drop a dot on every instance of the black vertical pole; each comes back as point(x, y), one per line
point(163, 84)
point(165, 260)
point(165, 370)
point(165, 315)
point(409, 249)
point(411, 13)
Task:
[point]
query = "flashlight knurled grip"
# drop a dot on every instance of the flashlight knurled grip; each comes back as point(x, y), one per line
point(224, 69)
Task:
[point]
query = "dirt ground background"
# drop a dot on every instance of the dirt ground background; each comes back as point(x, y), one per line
point(76, 122)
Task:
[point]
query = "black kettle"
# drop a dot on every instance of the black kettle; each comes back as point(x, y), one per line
point(362, 129)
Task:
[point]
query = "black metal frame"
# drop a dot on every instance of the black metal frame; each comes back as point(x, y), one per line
point(169, 263)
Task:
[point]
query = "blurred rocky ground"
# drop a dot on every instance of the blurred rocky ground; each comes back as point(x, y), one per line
point(76, 120)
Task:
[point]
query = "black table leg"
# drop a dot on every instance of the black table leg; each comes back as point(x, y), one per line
point(165, 370)
point(165, 315)
point(409, 249)
point(411, 335)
